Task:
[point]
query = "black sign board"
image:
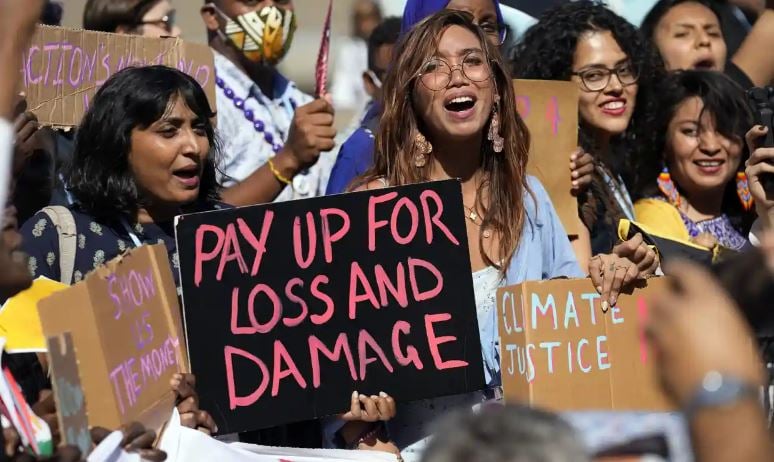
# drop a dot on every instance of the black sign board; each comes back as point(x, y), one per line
point(290, 307)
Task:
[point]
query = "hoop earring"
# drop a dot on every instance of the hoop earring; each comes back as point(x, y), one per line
point(743, 191)
point(423, 148)
point(494, 128)
point(668, 188)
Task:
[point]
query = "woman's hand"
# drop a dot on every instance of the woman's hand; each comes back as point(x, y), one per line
point(639, 253)
point(760, 163)
point(187, 401)
point(581, 170)
point(366, 414)
point(610, 274)
point(705, 240)
point(25, 126)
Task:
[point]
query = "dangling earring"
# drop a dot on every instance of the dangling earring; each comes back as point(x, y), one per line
point(423, 148)
point(668, 188)
point(494, 128)
point(743, 191)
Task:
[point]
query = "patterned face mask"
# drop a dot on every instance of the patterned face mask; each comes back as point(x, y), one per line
point(262, 36)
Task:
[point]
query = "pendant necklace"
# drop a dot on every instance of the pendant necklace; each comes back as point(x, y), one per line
point(474, 217)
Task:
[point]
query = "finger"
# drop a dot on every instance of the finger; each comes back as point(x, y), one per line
point(383, 407)
point(628, 247)
point(26, 132)
point(131, 432)
point(607, 283)
point(754, 172)
point(143, 441)
point(152, 455)
point(576, 154)
point(585, 170)
point(188, 419)
point(618, 281)
point(326, 133)
point(318, 105)
point(189, 404)
point(595, 272)
point(319, 119)
point(46, 404)
point(652, 257)
point(205, 420)
point(21, 107)
point(355, 411)
point(752, 136)
point(98, 434)
point(371, 411)
point(325, 145)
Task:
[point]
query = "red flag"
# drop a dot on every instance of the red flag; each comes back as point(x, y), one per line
point(321, 72)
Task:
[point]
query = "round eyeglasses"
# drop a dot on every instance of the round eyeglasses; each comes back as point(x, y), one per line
point(436, 73)
point(598, 78)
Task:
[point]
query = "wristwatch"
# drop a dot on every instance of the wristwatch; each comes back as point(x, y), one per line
point(718, 389)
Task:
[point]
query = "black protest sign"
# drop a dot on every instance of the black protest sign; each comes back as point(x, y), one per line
point(290, 307)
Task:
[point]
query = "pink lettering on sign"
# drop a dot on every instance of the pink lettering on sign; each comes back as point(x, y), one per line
point(552, 114)
point(523, 106)
point(642, 320)
point(241, 401)
point(435, 341)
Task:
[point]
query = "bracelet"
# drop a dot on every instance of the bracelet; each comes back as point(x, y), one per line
point(279, 175)
point(368, 434)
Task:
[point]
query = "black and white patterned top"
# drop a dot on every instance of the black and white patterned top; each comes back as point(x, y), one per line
point(97, 243)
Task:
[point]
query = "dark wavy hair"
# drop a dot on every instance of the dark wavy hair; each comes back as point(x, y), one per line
point(725, 101)
point(99, 176)
point(547, 51)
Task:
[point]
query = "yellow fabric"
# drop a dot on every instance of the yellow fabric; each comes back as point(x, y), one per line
point(661, 217)
point(19, 319)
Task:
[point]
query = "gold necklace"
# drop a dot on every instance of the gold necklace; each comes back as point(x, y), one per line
point(474, 217)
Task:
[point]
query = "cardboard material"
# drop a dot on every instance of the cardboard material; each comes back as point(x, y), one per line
point(68, 392)
point(550, 110)
point(383, 301)
point(63, 68)
point(19, 320)
point(125, 323)
point(560, 351)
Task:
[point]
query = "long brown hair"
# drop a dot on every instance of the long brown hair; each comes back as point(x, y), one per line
point(505, 178)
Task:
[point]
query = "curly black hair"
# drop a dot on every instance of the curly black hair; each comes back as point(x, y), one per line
point(547, 50)
point(99, 176)
point(722, 99)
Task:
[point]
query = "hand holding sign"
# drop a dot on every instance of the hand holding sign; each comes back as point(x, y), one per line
point(184, 385)
point(581, 170)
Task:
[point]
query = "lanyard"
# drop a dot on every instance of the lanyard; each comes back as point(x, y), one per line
point(620, 193)
point(132, 235)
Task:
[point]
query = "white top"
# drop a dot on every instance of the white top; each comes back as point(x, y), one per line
point(6, 162)
point(352, 60)
point(244, 148)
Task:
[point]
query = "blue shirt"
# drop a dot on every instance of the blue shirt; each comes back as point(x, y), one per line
point(356, 155)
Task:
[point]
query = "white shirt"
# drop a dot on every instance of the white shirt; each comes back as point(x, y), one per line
point(244, 148)
point(6, 163)
point(348, 90)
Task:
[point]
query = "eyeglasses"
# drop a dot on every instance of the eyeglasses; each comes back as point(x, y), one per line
point(598, 78)
point(166, 22)
point(436, 73)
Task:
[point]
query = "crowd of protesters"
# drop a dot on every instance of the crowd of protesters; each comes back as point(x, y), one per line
point(667, 140)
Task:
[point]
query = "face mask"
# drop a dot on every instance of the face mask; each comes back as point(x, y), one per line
point(262, 36)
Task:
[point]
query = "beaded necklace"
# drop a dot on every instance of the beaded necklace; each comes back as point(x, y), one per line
point(258, 124)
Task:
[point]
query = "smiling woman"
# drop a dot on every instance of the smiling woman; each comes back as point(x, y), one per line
point(144, 153)
point(693, 186)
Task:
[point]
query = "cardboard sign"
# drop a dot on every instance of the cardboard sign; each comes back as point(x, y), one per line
point(559, 349)
point(63, 68)
point(125, 323)
point(290, 307)
point(550, 110)
point(68, 392)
